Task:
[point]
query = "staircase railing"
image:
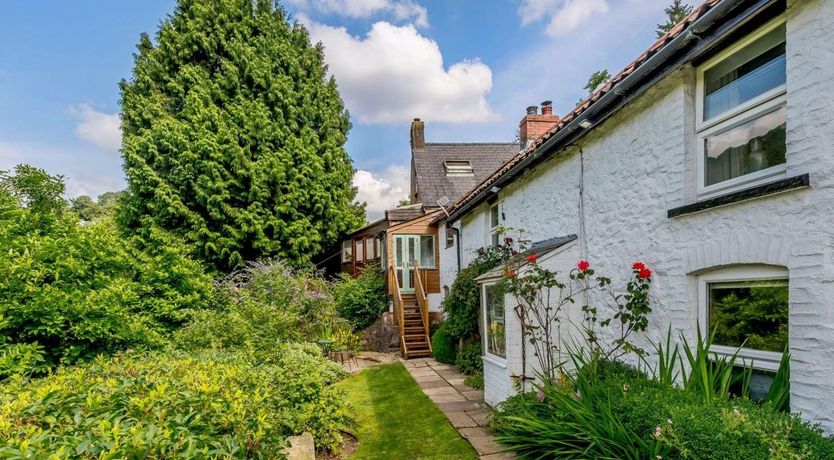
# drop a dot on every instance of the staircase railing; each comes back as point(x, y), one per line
point(399, 317)
point(422, 299)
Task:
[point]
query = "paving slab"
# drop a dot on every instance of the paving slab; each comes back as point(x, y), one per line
point(480, 416)
point(427, 378)
point(443, 390)
point(485, 445)
point(459, 406)
point(461, 420)
point(475, 395)
point(447, 399)
point(426, 385)
point(468, 432)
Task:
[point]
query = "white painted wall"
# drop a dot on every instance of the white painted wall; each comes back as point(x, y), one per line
point(641, 163)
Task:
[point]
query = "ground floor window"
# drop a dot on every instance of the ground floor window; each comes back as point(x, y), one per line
point(747, 307)
point(347, 251)
point(494, 319)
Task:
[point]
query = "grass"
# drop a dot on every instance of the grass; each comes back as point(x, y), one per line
point(396, 420)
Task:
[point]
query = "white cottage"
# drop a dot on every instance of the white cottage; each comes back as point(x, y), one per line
point(710, 158)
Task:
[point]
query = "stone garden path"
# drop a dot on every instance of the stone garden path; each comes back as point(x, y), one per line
point(464, 406)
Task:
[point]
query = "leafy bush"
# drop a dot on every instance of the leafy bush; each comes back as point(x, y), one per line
point(444, 347)
point(463, 302)
point(468, 360)
point(22, 359)
point(361, 300)
point(607, 410)
point(80, 290)
point(209, 404)
point(263, 304)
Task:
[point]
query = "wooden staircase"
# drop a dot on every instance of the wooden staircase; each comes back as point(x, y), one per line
point(411, 312)
point(414, 338)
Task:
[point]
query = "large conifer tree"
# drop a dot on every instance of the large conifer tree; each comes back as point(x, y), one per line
point(234, 136)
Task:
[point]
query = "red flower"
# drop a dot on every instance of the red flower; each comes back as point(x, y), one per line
point(510, 273)
point(638, 266)
point(532, 258)
point(583, 265)
point(508, 240)
point(644, 273)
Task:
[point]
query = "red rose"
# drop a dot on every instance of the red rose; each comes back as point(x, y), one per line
point(644, 273)
point(532, 258)
point(583, 265)
point(638, 266)
point(508, 240)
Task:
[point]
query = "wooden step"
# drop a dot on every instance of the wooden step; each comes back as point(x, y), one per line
point(419, 354)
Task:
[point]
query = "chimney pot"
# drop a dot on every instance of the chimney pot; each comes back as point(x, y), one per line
point(418, 135)
point(534, 125)
point(547, 108)
point(532, 110)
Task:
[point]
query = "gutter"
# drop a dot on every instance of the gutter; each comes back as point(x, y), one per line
point(572, 130)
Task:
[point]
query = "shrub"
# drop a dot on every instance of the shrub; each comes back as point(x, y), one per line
point(209, 404)
point(263, 304)
point(462, 304)
point(443, 346)
point(361, 300)
point(80, 290)
point(468, 359)
point(608, 410)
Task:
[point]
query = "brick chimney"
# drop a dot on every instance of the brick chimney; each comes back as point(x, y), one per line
point(534, 125)
point(418, 135)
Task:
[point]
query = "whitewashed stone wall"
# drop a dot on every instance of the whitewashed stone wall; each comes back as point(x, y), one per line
point(640, 163)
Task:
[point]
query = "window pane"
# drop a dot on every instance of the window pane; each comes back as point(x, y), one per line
point(755, 311)
point(347, 251)
point(754, 70)
point(412, 251)
point(398, 251)
point(493, 216)
point(496, 339)
point(427, 251)
point(360, 250)
point(747, 148)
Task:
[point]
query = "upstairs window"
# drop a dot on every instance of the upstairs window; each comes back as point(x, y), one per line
point(741, 120)
point(458, 168)
point(347, 251)
point(494, 223)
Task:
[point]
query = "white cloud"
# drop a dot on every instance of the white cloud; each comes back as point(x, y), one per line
point(98, 128)
point(395, 74)
point(85, 172)
point(564, 15)
point(382, 191)
point(399, 10)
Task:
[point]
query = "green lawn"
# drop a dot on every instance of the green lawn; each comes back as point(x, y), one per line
point(395, 420)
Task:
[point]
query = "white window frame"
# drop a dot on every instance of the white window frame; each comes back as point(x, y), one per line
point(487, 356)
point(360, 250)
point(347, 251)
point(493, 230)
point(769, 101)
point(762, 360)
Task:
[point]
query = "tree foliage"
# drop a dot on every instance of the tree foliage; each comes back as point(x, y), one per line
point(234, 136)
point(675, 13)
point(463, 302)
point(89, 210)
point(596, 80)
point(73, 290)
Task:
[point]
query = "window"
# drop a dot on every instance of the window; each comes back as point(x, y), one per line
point(741, 113)
point(458, 168)
point(450, 237)
point(493, 224)
point(496, 340)
point(427, 251)
point(369, 243)
point(746, 306)
point(360, 250)
point(347, 251)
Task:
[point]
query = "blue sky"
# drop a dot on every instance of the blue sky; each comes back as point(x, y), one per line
point(468, 68)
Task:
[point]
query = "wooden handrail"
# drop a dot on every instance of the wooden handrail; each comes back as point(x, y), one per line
point(398, 305)
point(422, 299)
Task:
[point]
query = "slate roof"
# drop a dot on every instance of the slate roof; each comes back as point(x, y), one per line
point(404, 213)
point(430, 172)
point(609, 86)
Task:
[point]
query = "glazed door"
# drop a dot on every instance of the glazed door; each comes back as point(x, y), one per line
point(406, 251)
